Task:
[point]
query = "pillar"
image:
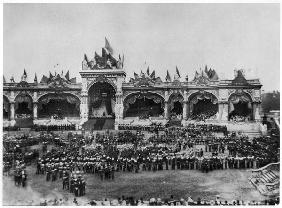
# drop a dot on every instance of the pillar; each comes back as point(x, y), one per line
point(166, 110)
point(185, 108)
point(35, 107)
point(118, 109)
point(84, 107)
point(12, 111)
point(223, 111)
point(188, 110)
point(256, 111)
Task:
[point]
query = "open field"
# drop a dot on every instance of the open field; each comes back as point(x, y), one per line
point(227, 184)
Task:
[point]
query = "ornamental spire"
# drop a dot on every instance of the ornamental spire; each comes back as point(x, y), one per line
point(35, 79)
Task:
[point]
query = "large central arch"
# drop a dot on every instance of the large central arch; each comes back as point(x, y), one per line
point(143, 105)
point(203, 106)
point(101, 102)
point(58, 105)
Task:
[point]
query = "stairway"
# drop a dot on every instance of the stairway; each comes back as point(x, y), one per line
point(99, 123)
point(89, 125)
point(174, 122)
point(109, 124)
point(266, 179)
point(24, 122)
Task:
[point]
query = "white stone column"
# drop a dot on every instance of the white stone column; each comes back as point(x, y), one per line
point(166, 110)
point(256, 110)
point(35, 108)
point(84, 107)
point(185, 108)
point(12, 111)
point(119, 108)
point(224, 109)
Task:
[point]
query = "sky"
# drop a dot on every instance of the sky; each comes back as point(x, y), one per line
point(225, 37)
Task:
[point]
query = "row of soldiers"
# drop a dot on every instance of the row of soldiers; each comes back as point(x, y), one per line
point(105, 167)
point(63, 127)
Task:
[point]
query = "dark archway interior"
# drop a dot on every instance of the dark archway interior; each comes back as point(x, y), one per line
point(58, 108)
point(177, 108)
point(240, 109)
point(101, 95)
point(6, 108)
point(204, 107)
point(23, 108)
point(144, 107)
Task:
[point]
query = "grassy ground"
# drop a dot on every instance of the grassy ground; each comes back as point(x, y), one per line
point(228, 184)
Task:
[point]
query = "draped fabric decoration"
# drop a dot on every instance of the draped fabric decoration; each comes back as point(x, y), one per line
point(174, 99)
point(23, 99)
point(199, 97)
point(6, 105)
point(113, 103)
point(108, 106)
point(156, 98)
point(235, 99)
point(96, 103)
point(68, 97)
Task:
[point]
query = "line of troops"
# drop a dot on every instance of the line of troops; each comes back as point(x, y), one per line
point(141, 127)
point(105, 167)
point(54, 127)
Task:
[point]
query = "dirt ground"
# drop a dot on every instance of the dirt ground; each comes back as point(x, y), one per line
point(227, 184)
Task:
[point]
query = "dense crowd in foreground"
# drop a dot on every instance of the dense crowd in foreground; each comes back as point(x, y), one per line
point(105, 154)
point(171, 201)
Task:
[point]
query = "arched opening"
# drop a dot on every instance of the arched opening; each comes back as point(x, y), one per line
point(6, 108)
point(175, 106)
point(101, 100)
point(240, 108)
point(23, 106)
point(143, 106)
point(58, 106)
point(203, 106)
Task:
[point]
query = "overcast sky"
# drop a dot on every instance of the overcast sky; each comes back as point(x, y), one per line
point(223, 36)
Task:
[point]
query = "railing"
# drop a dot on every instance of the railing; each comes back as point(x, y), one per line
point(270, 166)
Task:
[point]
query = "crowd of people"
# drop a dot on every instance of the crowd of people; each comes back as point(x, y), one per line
point(23, 115)
point(202, 147)
point(203, 116)
point(237, 118)
point(66, 127)
point(150, 128)
point(170, 201)
point(11, 128)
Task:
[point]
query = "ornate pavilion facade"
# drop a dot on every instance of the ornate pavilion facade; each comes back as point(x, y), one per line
point(105, 93)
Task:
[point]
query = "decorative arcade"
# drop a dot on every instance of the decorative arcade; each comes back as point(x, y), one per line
point(104, 94)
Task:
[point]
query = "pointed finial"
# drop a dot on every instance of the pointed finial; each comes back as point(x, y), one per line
point(12, 79)
point(35, 79)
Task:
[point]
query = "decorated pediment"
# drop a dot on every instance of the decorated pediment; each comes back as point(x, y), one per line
point(23, 84)
point(204, 77)
point(58, 80)
point(145, 79)
point(240, 78)
point(107, 60)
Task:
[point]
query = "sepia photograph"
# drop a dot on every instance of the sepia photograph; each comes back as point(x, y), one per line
point(139, 104)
